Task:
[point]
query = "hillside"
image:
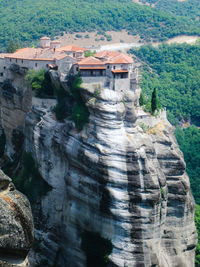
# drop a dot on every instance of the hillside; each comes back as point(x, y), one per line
point(175, 71)
point(30, 20)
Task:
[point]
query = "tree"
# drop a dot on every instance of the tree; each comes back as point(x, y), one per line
point(154, 101)
point(142, 99)
point(12, 47)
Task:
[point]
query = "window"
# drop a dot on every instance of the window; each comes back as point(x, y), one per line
point(22, 61)
point(114, 67)
point(16, 60)
point(10, 59)
point(76, 68)
point(1, 74)
point(108, 67)
point(4, 67)
point(74, 54)
point(35, 64)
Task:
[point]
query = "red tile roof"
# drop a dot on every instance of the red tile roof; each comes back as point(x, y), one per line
point(114, 57)
point(120, 59)
point(90, 61)
point(107, 54)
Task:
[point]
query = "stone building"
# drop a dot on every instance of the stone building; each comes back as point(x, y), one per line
point(50, 55)
point(109, 69)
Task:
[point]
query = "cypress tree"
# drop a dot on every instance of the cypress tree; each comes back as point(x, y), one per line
point(154, 101)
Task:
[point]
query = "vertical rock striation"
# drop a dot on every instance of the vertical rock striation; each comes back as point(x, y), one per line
point(117, 178)
point(123, 177)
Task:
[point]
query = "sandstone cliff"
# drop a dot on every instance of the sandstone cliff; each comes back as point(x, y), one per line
point(123, 177)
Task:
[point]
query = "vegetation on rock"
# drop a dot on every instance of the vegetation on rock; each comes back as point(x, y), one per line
point(79, 112)
point(40, 82)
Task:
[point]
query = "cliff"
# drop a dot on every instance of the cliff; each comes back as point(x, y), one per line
point(16, 229)
point(119, 186)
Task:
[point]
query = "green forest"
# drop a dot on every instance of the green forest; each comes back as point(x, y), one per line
point(25, 21)
point(175, 71)
point(189, 8)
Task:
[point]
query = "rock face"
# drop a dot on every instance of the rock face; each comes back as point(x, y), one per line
point(118, 177)
point(16, 225)
point(123, 177)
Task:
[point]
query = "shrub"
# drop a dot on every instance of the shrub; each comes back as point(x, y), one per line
point(89, 53)
point(108, 38)
point(80, 115)
point(78, 35)
point(40, 82)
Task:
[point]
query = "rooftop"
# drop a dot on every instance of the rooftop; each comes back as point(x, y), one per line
point(120, 59)
point(91, 61)
point(107, 54)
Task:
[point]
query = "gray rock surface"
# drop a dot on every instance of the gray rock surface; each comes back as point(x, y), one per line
point(114, 178)
point(123, 176)
point(16, 225)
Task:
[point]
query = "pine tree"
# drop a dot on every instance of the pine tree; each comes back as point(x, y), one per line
point(12, 47)
point(154, 101)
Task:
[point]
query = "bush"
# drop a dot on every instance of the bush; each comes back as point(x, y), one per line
point(90, 53)
point(78, 35)
point(80, 115)
point(40, 82)
point(108, 38)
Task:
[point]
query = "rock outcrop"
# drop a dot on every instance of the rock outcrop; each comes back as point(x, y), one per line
point(16, 225)
point(119, 177)
point(122, 177)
